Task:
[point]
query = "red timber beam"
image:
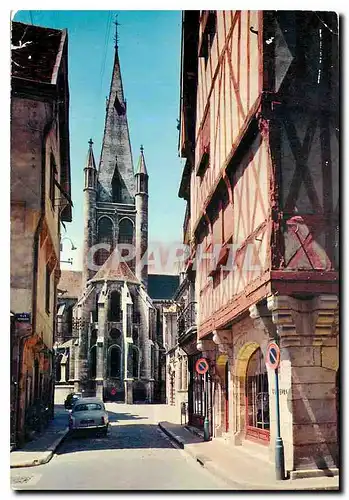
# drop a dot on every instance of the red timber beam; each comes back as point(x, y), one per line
point(255, 291)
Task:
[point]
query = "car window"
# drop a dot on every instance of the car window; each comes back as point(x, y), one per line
point(87, 407)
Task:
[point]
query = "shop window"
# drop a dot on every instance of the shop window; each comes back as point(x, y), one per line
point(257, 398)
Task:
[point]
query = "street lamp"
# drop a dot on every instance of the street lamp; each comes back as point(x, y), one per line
point(73, 247)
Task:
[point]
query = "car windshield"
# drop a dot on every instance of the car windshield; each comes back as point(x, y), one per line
point(87, 407)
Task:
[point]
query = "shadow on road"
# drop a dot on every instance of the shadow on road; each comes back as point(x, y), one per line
point(123, 437)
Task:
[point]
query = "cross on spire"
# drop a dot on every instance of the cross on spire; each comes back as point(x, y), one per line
point(116, 38)
point(90, 143)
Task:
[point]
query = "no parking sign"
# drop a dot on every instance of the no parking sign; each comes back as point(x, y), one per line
point(273, 355)
point(201, 366)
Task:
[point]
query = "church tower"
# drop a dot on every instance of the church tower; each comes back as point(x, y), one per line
point(90, 184)
point(142, 220)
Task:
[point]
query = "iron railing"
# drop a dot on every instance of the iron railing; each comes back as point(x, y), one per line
point(187, 318)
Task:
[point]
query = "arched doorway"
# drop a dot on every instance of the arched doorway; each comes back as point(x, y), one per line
point(257, 398)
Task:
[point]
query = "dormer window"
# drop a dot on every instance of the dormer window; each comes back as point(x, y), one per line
point(209, 28)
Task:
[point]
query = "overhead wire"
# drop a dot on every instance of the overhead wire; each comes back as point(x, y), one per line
point(326, 25)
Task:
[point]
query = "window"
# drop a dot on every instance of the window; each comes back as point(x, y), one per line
point(48, 289)
point(53, 175)
point(105, 235)
point(115, 307)
point(115, 334)
point(126, 231)
point(209, 25)
point(115, 361)
point(93, 362)
point(133, 362)
point(204, 145)
point(116, 188)
point(257, 397)
point(88, 407)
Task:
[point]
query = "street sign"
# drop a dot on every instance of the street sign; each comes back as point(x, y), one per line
point(201, 366)
point(22, 317)
point(273, 355)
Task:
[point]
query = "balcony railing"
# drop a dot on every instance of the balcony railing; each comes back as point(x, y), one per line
point(187, 318)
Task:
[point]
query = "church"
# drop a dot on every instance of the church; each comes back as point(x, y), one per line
point(109, 340)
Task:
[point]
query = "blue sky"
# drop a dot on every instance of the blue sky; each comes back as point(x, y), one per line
point(149, 50)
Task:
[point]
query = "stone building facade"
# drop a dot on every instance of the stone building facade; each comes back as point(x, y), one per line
point(40, 201)
point(259, 131)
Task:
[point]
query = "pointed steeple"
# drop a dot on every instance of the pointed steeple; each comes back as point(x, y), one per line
point(116, 175)
point(141, 168)
point(90, 168)
point(90, 162)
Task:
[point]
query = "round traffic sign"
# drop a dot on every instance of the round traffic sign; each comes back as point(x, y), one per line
point(273, 355)
point(201, 366)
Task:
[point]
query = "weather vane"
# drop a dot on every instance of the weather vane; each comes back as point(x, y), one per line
point(116, 38)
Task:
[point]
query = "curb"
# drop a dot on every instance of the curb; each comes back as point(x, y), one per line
point(172, 436)
point(41, 461)
point(214, 469)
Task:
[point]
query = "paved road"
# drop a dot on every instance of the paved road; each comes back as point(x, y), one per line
point(135, 455)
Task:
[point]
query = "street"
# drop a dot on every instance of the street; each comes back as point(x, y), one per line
point(135, 455)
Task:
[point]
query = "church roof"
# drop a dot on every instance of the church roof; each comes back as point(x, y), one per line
point(115, 269)
point(162, 286)
point(70, 284)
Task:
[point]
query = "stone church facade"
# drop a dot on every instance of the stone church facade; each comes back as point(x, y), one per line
point(107, 340)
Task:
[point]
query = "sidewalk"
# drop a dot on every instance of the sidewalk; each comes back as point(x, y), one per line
point(237, 466)
point(41, 449)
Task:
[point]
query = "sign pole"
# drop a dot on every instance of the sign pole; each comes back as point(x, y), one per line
point(206, 421)
point(279, 445)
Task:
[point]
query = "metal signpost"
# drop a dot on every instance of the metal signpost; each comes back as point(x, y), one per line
point(201, 367)
point(273, 360)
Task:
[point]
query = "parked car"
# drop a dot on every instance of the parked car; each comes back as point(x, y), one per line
point(71, 398)
point(89, 413)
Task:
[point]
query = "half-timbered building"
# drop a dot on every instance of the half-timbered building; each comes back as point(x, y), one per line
point(259, 130)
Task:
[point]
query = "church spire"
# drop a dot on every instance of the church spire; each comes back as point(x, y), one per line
point(141, 168)
point(116, 175)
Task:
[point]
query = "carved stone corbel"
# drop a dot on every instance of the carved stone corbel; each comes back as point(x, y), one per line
point(262, 319)
point(224, 340)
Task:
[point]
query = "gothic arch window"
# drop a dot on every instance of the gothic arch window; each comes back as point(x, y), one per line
point(114, 313)
point(257, 397)
point(133, 361)
point(105, 232)
point(126, 231)
point(115, 361)
point(116, 188)
point(93, 361)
